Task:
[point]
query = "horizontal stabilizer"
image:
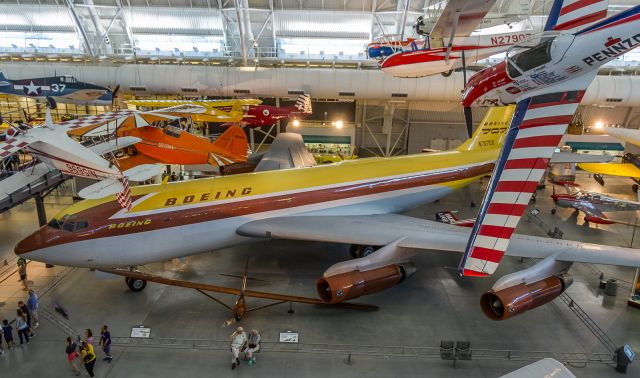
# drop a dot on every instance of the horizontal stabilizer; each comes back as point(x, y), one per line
point(143, 172)
point(101, 189)
point(113, 145)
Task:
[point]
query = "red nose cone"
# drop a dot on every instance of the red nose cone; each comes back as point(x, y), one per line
point(38, 240)
point(484, 82)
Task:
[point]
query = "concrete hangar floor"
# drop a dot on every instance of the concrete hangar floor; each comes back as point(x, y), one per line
point(189, 336)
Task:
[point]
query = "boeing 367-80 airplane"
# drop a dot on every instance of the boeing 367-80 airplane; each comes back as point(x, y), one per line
point(347, 202)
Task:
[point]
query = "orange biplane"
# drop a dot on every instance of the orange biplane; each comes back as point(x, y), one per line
point(168, 144)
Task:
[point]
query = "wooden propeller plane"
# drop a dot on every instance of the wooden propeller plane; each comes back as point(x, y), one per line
point(137, 281)
point(208, 110)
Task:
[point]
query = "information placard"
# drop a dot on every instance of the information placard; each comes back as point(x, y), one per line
point(140, 332)
point(288, 337)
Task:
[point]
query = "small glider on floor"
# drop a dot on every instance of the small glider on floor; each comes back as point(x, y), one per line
point(138, 281)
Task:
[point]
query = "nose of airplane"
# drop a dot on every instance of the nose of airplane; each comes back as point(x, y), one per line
point(36, 241)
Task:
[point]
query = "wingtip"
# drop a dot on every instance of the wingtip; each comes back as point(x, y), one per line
point(474, 273)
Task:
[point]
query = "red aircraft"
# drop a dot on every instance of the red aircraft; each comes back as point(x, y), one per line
point(266, 115)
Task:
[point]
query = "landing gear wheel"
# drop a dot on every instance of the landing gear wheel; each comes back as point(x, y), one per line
point(634, 187)
point(367, 250)
point(553, 211)
point(136, 284)
point(357, 251)
point(447, 73)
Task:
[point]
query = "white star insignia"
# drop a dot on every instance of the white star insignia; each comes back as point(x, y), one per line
point(32, 88)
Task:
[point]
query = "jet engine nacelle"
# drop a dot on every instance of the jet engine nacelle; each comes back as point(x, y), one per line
point(353, 284)
point(514, 300)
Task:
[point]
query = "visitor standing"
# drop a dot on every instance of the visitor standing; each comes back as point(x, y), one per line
point(72, 354)
point(22, 272)
point(32, 305)
point(22, 327)
point(105, 342)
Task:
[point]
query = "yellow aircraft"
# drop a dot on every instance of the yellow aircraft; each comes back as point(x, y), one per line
point(354, 202)
point(205, 110)
point(628, 168)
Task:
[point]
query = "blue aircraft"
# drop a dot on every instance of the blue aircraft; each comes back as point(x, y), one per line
point(63, 88)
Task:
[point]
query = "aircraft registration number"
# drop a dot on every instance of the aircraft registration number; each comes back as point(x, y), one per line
point(508, 39)
point(77, 170)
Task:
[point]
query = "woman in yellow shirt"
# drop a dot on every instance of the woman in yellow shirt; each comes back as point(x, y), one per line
point(88, 357)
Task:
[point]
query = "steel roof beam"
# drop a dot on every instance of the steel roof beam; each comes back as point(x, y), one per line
point(80, 27)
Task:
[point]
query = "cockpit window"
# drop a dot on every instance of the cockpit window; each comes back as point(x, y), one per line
point(172, 131)
point(522, 59)
point(67, 223)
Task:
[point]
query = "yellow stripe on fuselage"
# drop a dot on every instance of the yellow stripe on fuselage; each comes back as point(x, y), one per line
point(292, 180)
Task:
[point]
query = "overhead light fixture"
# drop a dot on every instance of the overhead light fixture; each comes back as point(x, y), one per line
point(296, 123)
point(599, 125)
point(339, 124)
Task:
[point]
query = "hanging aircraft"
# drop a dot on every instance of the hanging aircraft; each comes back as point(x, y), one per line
point(630, 165)
point(383, 48)
point(53, 147)
point(160, 142)
point(267, 115)
point(63, 88)
point(453, 42)
point(546, 77)
point(348, 202)
point(202, 110)
point(592, 204)
point(252, 113)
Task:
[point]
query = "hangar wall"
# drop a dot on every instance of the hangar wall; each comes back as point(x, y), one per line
point(279, 82)
point(427, 109)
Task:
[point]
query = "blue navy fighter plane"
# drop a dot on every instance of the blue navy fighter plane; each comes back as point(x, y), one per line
point(63, 88)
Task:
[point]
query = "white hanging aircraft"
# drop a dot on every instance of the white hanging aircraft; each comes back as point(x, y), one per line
point(56, 150)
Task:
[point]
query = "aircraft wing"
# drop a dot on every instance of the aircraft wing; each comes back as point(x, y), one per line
point(537, 126)
point(113, 145)
point(22, 179)
point(286, 151)
point(228, 290)
point(409, 232)
point(94, 120)
point(205, 103)
point(590, 210)
point(612, 169)
point(460, 18)
point(12, 146)
point(570, 157)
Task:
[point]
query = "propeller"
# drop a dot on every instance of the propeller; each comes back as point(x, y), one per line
point(51, 103)
point(113, 95)
point(468, 115)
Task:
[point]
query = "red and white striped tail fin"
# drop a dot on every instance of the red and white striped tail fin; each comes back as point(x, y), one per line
point(535, 131)
point(124, 197)
point(570, 14)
